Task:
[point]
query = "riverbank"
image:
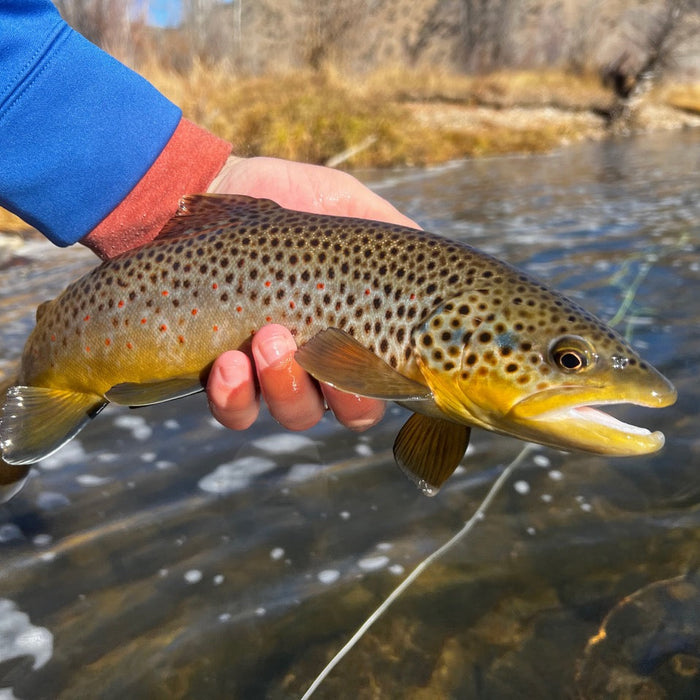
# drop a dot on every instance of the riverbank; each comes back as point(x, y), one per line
point(395, 118)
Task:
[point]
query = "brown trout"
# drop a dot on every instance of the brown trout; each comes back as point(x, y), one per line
point(455, 335)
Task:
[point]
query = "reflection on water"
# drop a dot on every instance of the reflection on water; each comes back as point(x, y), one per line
point(162, 556)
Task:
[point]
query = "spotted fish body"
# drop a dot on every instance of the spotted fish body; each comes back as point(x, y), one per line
point(377, 309)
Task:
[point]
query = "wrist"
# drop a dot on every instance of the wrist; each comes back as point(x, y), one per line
point(189, 163)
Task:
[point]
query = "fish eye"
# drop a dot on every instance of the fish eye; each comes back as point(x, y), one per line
point(571, 354)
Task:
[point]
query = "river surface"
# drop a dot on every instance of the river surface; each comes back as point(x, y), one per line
point(161, 556)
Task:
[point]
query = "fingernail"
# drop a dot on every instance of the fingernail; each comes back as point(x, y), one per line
point(229, 370)
point(225, 374)
point(276, 348)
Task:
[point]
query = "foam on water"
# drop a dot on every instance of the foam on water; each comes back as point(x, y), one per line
point(10, 532)
point(193, 576)
point(328, 576)
point(71, 453)
point(364, 450)
point(92, 480)
point(19, 637)
point(236, 475)
point(303, 472)
point(137, 425)
point(50, 500)
point(521, 487)
point(283, 443)
point(373, 563)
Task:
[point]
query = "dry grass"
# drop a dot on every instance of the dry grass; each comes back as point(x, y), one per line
point(398, 117)
point(313, 116)
point(685, 97)
point(10, 222)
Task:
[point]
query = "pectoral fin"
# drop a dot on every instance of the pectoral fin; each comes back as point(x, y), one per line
point(336, 358)
point(36, 421)
point(429, 450)
point(147, 393)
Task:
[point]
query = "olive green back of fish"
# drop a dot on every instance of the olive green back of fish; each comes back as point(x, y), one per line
point(402, 306)
point(217, 275)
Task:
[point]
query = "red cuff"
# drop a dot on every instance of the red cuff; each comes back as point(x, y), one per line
point(188, 163)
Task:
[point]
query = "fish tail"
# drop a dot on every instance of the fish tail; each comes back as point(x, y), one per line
point(36, 421)
point(12, 479)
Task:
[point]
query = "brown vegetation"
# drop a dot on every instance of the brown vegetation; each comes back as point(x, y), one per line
point(411, 83)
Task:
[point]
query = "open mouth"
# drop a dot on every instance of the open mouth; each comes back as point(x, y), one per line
point(578, 423)
point(588, 413)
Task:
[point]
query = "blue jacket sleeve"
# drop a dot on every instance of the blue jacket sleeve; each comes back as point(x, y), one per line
point(79, 129)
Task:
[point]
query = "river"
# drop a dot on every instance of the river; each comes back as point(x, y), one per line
point(161, 556)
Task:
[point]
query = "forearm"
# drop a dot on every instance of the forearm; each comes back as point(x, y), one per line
point(88, 146)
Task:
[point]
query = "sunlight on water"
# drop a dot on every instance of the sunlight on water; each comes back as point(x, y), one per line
point(162, 556)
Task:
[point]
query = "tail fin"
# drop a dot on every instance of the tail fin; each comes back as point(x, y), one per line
point(36, 421)
point(12, 479)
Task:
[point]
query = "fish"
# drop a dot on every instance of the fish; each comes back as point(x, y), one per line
point(456, 336)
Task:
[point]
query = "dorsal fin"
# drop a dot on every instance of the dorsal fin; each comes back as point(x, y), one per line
point(202, 212)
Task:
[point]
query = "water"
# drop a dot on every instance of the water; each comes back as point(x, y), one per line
point(160, 556)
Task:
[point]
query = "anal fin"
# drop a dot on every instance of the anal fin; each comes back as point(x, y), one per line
point(36, 421)
point(429, 449)
point(147, 393)
point(336, 358)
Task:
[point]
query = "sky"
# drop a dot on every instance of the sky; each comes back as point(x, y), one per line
point(164, 13)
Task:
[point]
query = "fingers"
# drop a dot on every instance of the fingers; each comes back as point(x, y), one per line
point(355, 412)
point(293, 397)
point(291, 394)
point(231, 390)
point(305, 187)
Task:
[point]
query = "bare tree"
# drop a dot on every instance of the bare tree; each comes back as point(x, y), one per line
point(106, 23)
point(653, 39)
point(487, 30)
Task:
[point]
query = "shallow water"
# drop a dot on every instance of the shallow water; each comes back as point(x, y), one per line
point(161, 556)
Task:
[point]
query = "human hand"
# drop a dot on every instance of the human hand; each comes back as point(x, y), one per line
point(292, 396)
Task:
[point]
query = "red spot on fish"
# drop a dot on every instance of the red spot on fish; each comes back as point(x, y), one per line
point(120, 304)
point(181, 338)
point(165, 292)
point(412, 297)
point(320, 285)
point(87, 348)
point(239, 309)
point(53, 338)
point(194, 312)
point(87, 318)
point(268, 283)
point(129, 346)
point(268, 318)
point(367, 292)
point(163, 327)
point(108, 342)
point(292, 305)
point(215, 328)
point(143, 320)
point(215, 286)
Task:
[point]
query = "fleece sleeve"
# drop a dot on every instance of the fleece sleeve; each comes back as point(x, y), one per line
point(80, 131)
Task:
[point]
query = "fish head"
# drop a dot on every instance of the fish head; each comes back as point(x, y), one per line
point(519, 359)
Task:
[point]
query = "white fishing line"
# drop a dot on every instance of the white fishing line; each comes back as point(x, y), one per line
point(479, 515)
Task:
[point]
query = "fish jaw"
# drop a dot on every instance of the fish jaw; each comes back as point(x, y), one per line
point(563, 416)
point(571, 419)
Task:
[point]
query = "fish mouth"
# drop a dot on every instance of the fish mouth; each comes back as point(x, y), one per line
point(581, 425)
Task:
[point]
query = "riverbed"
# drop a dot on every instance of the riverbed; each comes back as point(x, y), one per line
point(160, 556)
